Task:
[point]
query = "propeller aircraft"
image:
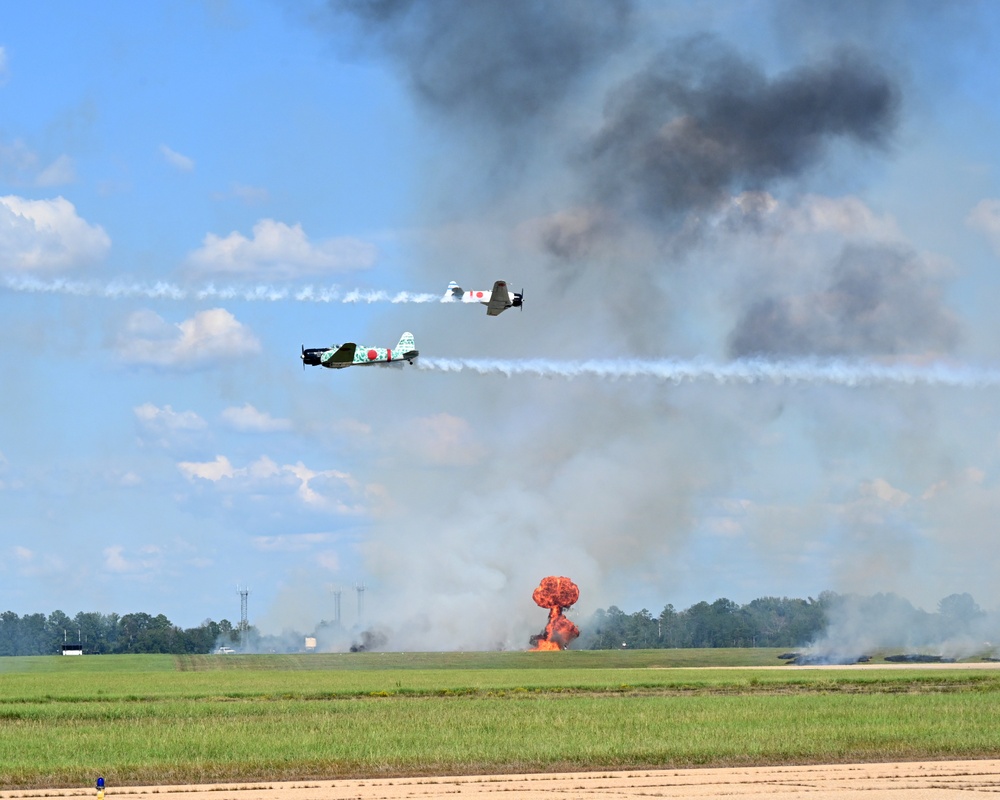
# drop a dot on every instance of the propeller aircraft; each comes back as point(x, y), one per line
point(497, 301)
point(353, 355)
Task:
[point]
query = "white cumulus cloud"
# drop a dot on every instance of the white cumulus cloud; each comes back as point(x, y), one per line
point(164, 426)
point(166, 419)
point(116, 560)
point(208, 336)
point(249, 419)
point(277, 250)
point(324, 490)
point(40, 235)
point(208, 470)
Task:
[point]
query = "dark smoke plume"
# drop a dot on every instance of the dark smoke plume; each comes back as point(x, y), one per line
point(499, 62)
point(701, 123)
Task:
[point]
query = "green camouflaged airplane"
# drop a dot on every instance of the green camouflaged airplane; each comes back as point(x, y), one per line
point(352, 355)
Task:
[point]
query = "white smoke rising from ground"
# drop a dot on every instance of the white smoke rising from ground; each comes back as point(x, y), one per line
point(672, 195)
point(164, 290)
point(886, 623)
point(742, 371)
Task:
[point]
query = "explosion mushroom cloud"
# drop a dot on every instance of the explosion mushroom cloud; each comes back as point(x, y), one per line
point(556, 594)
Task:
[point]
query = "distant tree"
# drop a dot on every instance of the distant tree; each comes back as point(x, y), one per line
point(10, 630)
point(93, 628)
point(227, 633)
point(131, 628)
point(784, 622)
point(700, 625)
point(960, 609)
point(641, 630)
point(36, 637)
point(156, 635)
point(61, 628)
point(671, 627)
point(728, 625)
point(113, 631)
point(198, 640)
point(608, 629)
point(807, 620)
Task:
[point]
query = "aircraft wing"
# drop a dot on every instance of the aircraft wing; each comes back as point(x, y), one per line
point(341, 357)
point(499, 299)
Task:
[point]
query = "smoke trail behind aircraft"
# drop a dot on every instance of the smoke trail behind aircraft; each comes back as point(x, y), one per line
point(162, 290)
point(741, 371)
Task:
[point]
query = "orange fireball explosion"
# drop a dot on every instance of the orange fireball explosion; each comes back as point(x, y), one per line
point(556, 594)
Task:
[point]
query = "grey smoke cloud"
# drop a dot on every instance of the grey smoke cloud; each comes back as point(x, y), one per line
point(884, 623)
point(625, 216)
point(501, 63)
point(879, 300)
point(700, 123)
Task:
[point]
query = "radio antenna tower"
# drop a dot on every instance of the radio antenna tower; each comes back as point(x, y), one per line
point(335, 591)
point(361, 601)
point(244, 592)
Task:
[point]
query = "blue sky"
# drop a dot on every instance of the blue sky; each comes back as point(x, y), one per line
point(191, 190)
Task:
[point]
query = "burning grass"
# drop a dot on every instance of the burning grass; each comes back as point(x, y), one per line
point(140, 725)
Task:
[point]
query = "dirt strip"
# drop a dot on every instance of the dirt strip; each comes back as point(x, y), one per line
point(926, 780)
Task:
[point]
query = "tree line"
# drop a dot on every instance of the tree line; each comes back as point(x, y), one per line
point(792, 623)
point(764, 622)
point(38, 634)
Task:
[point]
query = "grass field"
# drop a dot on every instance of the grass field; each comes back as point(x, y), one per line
point(142, 720)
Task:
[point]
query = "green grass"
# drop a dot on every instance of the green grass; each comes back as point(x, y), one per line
point(162, 719)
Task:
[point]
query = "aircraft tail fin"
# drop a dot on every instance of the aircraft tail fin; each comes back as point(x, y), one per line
point(454, 292)
point(406, 348)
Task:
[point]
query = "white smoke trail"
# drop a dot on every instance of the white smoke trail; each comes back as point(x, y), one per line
point(162, 290)
point(742, 371)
